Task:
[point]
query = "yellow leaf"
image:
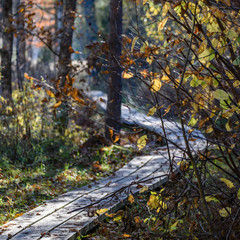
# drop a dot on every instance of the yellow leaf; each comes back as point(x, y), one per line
point(209, 129)
point(152, 111)
point(101, 211)
point(213, 27)
point(133, 43)
point(143, 189)
point(141, 142)
point(165, 78)
point(126, 235)
point(162, 24)
point(118, 218)
point(156, 85)
point(153, 202)
point(211, 198)
point(202, 47)
point(50, 93)
point(131, 199)
point(9, 109)
point(127, 75)
point(163, 205)
point(142, 49)
point(165, 9)
point(224, 212)
point(227, 182)
point(149, 60)
point(204, 56)
point(144, 2)
point(167, 109)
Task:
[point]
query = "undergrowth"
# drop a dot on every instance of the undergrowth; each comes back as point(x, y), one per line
point(37, 163)
point(175, 211)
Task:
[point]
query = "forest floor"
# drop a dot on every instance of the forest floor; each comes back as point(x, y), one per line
point(51, 167)
point(175, 211)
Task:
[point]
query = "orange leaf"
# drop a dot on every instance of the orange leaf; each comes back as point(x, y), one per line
point(50, 93)
point(126, 235)
point(56, 105)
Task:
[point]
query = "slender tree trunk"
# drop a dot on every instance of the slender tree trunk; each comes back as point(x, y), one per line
point(21, 47)
point(113, 115)
point(64, 62)
point(6, 54)
point(58, 26)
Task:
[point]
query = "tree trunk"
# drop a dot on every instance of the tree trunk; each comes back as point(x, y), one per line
point(58, 5)
point(64, 62)
point(6, 54)
point(89, 12)
point(113, 115)
point(21, 47)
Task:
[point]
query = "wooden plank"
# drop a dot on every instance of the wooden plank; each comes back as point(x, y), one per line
point(131, 116)
point(81, 224)
point(62, 215)
point(39, 213)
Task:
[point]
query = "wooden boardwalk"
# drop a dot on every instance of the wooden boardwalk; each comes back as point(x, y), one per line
point(54, 220)
point(58, 218)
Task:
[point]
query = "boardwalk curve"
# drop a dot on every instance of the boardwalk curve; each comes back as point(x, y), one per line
point(57, 219)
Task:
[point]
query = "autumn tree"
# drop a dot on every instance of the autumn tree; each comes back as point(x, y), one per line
point(6, 53)
point(113, 114)
point(190, 63)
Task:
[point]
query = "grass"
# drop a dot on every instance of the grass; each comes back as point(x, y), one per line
point(37, 163)
point(48, 169)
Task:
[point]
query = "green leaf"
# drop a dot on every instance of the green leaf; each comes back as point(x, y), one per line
point(192, 121)
point(195, 82)
point(211, 198)
point(174, 226)
point(220, 94)
point(232, 34)
point(238, 194)
point(236, 62)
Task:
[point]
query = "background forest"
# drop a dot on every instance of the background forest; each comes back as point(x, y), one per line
point(176, 60)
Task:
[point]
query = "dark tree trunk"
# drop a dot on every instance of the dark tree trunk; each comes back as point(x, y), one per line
point(58, 26)
point(21, 47)
point(113, 115)
point(64, 62)
point(89, 12)
point(6, 54)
